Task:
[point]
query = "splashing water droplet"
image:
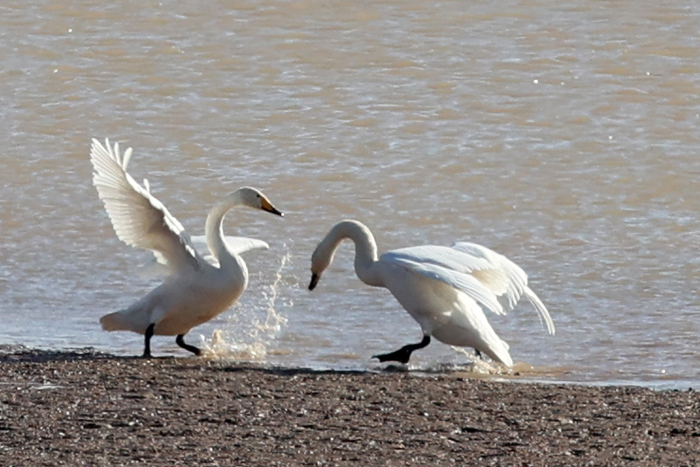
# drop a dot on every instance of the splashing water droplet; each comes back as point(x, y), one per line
point(247, 335)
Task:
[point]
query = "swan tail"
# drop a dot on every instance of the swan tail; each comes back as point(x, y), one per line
point(113, 322)
point(541, 309)
point(123, 321)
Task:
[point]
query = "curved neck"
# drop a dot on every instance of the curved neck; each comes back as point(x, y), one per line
point(213, 229)
point(365, 249)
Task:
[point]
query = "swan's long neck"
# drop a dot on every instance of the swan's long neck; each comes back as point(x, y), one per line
point(365, 249)
point(214, 230)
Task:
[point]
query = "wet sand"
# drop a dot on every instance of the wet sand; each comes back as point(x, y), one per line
point(85, 408)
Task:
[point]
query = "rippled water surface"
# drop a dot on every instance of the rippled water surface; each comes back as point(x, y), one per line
point(561, 134)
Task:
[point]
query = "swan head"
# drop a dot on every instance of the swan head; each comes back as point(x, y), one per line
point(365, 249)
point(320, 260)
point(254, 199)
point(318, 265)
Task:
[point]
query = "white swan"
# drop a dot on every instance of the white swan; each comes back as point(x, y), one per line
point(442, 288)
point(196, 290)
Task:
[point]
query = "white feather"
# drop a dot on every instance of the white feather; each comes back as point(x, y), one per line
point(199, 287)
point(139, 218)
point(442, 288)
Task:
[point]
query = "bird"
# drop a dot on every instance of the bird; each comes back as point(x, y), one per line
point(197, 288)
point(445, 289)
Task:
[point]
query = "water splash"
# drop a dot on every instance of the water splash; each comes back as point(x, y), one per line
point(273, 321)
point(478, 366)
point(248, 335)
point(484, 368)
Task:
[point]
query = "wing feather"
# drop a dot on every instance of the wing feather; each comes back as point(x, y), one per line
point(484, 275)
point(541, 309)
point(516, 280)
point(235, 244)
point(139, 218)
point(439, 263)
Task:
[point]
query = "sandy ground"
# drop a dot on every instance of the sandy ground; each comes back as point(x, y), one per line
point(85, 408)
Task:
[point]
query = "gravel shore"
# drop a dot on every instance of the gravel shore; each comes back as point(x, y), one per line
point(86, 408)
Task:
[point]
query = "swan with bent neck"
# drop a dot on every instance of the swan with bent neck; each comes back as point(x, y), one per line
point(197, 288)
point(445, 289)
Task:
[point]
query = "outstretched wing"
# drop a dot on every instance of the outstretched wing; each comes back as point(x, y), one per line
point(139, 218)
point(484, 275)
point(448, 266)
point(513, 287)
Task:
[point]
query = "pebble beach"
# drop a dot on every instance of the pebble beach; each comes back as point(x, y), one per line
point(87, 408)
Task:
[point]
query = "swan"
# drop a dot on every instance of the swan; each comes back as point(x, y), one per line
point(196, 289)
point(443, 288)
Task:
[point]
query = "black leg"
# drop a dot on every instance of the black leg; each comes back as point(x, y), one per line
point(147, 346)
point(478, 354)
point(181, 342)
point(404, 353)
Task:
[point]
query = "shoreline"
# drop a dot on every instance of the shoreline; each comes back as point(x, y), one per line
point(521, 373)
point(90, 408)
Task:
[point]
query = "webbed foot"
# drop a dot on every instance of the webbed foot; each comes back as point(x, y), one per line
point(404, 353)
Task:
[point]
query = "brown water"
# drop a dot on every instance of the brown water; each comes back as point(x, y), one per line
point(561, 134)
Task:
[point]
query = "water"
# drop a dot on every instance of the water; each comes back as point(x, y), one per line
point(561, 134)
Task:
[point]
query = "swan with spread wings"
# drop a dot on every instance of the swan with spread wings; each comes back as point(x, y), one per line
point(197, 288)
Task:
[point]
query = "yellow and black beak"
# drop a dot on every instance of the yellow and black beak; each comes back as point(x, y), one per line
point(314, 281)
point(267, 206)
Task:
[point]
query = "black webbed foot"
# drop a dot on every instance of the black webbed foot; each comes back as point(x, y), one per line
point(404, 353)
point(402, 356)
